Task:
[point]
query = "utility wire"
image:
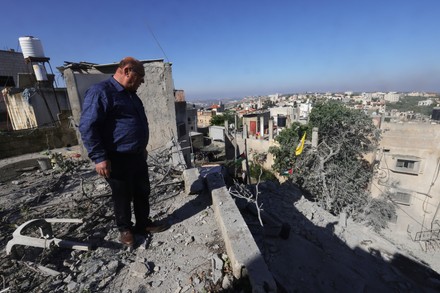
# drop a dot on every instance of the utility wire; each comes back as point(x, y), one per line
point(397, 206)
point(157, 42)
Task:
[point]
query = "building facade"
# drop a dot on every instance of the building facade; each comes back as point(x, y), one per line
point(408, 163)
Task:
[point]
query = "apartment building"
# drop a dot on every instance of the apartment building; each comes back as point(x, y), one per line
point(408, 174)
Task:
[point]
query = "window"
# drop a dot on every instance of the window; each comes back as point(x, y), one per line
point(401, 197)
point(407, 164)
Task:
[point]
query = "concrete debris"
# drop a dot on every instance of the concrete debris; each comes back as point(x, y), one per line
point(189, 240)
point(48, 271)
point(217, 268)
point(139, 270)
point(156, 263)
point(227, 282)
point(316, 252)
point(344, 256)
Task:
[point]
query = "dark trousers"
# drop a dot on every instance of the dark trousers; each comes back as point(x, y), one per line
point(129, 182)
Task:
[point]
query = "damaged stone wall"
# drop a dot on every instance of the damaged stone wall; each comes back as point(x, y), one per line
point(34, 106)
point(157, 95)
point(36, 140)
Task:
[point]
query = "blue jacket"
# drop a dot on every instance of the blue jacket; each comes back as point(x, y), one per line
point(112, 120)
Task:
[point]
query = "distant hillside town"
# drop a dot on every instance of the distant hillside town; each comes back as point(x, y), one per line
point(407, 160)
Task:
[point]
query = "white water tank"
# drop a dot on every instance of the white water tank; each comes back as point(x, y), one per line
point(31, 47)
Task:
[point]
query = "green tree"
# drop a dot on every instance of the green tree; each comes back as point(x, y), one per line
point(335, 173)
point(288, 140)
point(411, 104)
point(268, 104)
point(219, 120)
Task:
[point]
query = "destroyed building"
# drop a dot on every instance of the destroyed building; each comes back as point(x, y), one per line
point(34, 115)
point(37, 116)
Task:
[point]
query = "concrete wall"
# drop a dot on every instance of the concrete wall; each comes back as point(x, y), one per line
point(191, 113)
point(409, 162)
point(157, 94)
point(183, 128)
point(254, 146)
point(196, 140)
point(217, 133)
point(286, 111)
point(12, 63)
point(34, 107)
point(48, 103)
point(181, 119)
point(36, 140)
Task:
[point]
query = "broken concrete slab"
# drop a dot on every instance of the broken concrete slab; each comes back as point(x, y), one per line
point(246, 258)
point(193, 182)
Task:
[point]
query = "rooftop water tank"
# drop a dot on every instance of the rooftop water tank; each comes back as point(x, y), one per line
point(31, 47)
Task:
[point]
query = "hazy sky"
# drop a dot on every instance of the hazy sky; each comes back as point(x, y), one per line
point(237, 48)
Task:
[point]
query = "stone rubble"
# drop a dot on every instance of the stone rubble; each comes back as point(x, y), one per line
point(325, 253)
point(177, 260)
point(320, 252)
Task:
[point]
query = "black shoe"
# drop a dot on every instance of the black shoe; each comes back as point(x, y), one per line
point(127, 238)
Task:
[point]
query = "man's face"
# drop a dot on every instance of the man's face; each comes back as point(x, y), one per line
point(134, 77)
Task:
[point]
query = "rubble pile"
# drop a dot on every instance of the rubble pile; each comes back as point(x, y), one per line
point(189, 257)
point(324, 253)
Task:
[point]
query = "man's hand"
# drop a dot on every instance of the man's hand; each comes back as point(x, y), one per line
point(104, 168)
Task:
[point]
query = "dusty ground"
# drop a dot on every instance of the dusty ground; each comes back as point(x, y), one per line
point(189, 257)
point(317, 253)
point(324, 253)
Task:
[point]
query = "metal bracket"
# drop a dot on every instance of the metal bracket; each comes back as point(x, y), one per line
point(47, 238)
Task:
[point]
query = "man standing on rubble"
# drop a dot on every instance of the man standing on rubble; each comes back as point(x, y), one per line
point(114, 130)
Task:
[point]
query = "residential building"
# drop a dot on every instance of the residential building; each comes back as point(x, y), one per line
point(408, 174)
point(428, 102)
point(305, 109)
point(191, 113)
point(204, 118)
point(284, 115)
point(256, 124)
point(204, 115)
point(392, 97)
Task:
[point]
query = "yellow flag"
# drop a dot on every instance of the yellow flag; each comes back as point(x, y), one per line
point(300, 146)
